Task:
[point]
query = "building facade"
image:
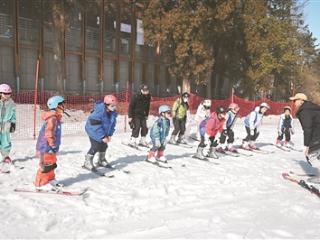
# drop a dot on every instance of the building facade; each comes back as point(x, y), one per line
point(103, 50)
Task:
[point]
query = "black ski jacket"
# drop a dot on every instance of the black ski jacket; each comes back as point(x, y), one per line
point(309, 117)
point(139, 105)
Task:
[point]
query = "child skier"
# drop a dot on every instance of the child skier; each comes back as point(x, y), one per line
point(8, 125)
point(285, 127)
point(227, 132)
point(48, 144)
point(203, 112)
point(100, 126)
point(179, 116)
point(252, 124)
point(158, 135)
point(210, 128)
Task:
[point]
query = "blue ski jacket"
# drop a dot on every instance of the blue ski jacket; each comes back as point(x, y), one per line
point(101, 123)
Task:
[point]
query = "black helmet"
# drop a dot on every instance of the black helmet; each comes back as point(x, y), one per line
point(185, 94)
point(220, 109)
point(144, 87)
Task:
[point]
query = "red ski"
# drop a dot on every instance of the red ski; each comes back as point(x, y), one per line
point(58, 191)
point(302, 183)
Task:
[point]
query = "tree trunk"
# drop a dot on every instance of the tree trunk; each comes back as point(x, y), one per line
point(58, 47)
point(186, 85)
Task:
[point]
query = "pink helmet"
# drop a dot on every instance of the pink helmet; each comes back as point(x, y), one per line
point(5, 88)
point(234, 106)
point(110, 99)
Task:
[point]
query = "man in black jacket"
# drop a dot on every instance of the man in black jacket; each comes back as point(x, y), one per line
point(138, 114)
point(308, 114)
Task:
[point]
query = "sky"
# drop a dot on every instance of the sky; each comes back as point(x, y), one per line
point(312, 18)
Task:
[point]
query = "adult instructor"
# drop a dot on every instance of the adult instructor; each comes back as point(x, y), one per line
point(308, 114)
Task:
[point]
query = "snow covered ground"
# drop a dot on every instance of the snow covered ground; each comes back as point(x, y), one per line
point(238, 197)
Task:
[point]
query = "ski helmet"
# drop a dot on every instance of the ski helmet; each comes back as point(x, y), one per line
point(144, 87)
point(110, 99)
point(5, 88)
point(185, 94)
point(287, 108)
point(164, 108)
point(220, 109)
point(234, 106)
point(207, 103)
point(264, 104)
point(54, 101)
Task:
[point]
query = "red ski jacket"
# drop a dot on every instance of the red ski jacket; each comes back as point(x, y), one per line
point(214, 125)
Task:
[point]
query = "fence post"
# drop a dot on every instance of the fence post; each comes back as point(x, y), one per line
point(35, 100)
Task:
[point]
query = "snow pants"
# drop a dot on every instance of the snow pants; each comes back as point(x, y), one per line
point(97, 147)
point(139, 125)
point(250, 137)
point(179, 126)
point(5, 143)
point(228, 133)
point(286, 133)
point(46, 169)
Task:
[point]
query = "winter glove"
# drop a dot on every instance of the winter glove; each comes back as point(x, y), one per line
point(131, 124)
point(306, 151)
point(52, 149)
point(157, 143)
point(12, 127)
point(292, 131)
point(213, 142)
point(224, 133)
point(252, 132)
point(106, 139)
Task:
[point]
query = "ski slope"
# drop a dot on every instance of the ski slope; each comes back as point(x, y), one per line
point(235, 197)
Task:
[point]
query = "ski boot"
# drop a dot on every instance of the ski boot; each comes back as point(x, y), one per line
point(245, 145)
point(212, 153)
point(278, 143)
point(253, 146)
point(102, 161)
point(231, 148)
point(88, 163)
point(151, 158)
point(161, 157)
point(200, 154)
point(220, 150)
point(143, 142)
point(133, 142)
point(6, 165)
point(173, 139)
point(181, 140)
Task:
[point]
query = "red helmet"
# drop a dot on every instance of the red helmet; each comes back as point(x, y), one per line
point(287, 108)
point(234, 106)
point(110, 99)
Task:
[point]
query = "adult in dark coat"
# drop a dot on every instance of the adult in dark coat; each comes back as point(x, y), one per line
point(138, 114)
point(308, 114)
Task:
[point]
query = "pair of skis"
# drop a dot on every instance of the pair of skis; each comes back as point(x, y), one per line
point(292, 177)
point(59, 191)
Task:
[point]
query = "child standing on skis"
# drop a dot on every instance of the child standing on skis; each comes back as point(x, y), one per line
point(210, 128)
point(179, 117)
point(8, 125)
point(252, 124)
point(48, 144)
point(203, 112)
point(158, 135)
point(100, 127)
point(227, 132)
point(285, 127)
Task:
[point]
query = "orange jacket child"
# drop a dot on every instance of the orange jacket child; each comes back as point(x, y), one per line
point(48, 144)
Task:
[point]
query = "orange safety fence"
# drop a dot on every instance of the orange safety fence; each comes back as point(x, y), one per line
point(80, 106)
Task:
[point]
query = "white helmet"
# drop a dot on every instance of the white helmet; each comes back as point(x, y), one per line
point(206, 103)
point(264, 104)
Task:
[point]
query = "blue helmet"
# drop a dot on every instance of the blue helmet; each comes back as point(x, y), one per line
point(164, 108)
point(54, 101)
